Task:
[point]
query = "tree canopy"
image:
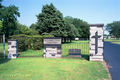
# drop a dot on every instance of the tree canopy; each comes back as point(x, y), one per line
point(114, 28)
point(81, 26)
point(51, 21)
point(8, 15)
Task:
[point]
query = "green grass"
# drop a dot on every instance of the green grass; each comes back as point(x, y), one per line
point(113, 41)
point(51, 69)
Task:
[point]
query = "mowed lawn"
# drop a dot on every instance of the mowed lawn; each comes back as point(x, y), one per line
point(113, 41)
point(51, 69)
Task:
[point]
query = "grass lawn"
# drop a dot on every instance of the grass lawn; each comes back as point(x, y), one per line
point(113, 41)
point(51, 69)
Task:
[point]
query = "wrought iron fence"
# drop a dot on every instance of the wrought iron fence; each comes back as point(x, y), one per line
point(82, 45)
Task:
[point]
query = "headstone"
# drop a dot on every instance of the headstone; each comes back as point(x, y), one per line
point(74, 53)
point(76, 39)
point(96, 42)
point(52, 47)
point(12, 49)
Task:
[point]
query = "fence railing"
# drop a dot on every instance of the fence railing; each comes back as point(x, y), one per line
point(84, 47)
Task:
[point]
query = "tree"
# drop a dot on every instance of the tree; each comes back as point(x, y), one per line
point(33, 26)
point(71, 30)
point(114, 28)
point(23, 29)
point(9, 17)
point(81, 26)
point(51, 21)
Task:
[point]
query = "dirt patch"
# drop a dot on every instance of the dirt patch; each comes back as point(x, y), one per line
point(106, 67)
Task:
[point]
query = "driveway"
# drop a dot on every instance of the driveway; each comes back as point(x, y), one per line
point(112, 57)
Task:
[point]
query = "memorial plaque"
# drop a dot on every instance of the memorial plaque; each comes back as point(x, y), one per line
point(52, 41)
point(74, 53)
point(52, 47)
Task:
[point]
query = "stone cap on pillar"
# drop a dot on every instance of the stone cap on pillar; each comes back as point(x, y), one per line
point(96, 25)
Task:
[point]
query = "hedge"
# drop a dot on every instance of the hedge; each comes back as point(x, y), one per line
point(25, 42)
point(48, 35)
point(37, 42)
point(22, 43)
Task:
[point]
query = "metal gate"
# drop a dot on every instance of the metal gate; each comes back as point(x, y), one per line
point(82, 46)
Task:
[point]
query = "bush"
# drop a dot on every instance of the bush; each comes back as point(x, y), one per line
point(22, 45)
point(29, 42)
point(37, 42)
point(25, 41)
point(48, 35)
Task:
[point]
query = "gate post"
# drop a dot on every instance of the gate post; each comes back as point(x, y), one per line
point(96, 42)
point(4, 44)
point(12, 48)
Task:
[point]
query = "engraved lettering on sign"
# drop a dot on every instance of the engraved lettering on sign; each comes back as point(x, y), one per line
point(52, 41)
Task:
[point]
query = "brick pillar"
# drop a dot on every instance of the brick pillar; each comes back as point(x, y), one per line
point(12, 49)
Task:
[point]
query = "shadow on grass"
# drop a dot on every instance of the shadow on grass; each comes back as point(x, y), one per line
point(2, 61)
point(83, 57)
point(86, 57)
point(67, 42)
point(30, 53)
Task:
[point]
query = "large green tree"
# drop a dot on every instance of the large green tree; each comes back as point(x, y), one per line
point(33, 26)
point(51, 21)
point(114, 28)
point(81, 26)
point(8, 15)
point(71, 30)
point(23, 29)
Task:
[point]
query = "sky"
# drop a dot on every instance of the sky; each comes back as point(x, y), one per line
point(91, 11)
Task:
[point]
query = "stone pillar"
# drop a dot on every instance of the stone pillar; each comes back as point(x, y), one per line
point(52, 47)
point(96, 42)
point(12, 49)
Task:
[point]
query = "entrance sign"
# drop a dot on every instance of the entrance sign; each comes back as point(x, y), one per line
point(96, 42)
point(52, 47)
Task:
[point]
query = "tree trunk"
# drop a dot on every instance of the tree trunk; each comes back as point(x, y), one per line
point(70, 40)
point(65, 40)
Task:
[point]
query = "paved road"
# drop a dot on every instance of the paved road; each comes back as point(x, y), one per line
point(112, 57)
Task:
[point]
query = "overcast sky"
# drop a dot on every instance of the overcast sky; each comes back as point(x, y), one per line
point(92, 11)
